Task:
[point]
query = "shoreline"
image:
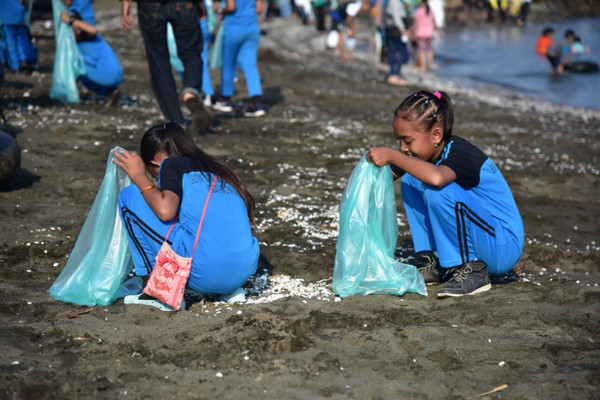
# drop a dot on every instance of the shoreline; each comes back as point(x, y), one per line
point(369, 67)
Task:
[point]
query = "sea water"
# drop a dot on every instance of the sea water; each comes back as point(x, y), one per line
point(503, 57)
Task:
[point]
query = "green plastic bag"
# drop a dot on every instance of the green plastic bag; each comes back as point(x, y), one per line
point(100, 259)
point(368, 232)
point(68, 63)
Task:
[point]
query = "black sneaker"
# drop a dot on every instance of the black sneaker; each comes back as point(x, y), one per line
point(470, 278)
point(202, 118)
point(429, 266)
point(427, 263)
point(255, 110)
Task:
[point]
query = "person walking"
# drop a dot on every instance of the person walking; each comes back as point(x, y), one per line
point(240, 47)
point(424, 27)
point(153, 17)
point(396, 37)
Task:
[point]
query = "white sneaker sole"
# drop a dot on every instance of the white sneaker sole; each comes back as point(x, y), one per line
point(482, 289)
point(255, 114)
point(222, 108)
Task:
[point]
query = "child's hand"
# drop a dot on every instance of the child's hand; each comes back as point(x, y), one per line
point(131, 163)
point(65, 17)
point(379, 156)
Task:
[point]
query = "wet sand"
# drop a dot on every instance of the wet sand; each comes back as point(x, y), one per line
point(534, 338)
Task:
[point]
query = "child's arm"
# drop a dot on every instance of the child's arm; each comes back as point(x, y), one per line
point(164, 203)
point(126, 15)
point(79, 24)
point(229, 7)
point(259, 7)
point(424, 171)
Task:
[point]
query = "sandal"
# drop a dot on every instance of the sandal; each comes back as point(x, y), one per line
point(146, 300)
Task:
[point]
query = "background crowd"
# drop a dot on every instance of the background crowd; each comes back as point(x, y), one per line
point(225, 41)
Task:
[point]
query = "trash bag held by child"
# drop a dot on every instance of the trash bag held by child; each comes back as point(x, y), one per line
point(368, 232)
point(100, 259)
point(68, 63)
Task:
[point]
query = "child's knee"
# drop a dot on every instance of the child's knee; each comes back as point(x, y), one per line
point(127, 196)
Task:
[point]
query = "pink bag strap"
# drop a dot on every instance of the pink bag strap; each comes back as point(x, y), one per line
point(212, 186)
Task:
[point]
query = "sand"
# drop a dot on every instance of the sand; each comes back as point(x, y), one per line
point(537, 337)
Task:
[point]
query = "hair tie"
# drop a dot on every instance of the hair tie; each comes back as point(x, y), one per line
point(438, 95)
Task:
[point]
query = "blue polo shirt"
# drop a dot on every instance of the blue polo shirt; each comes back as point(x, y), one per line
point(478, 175)
point(227, 252)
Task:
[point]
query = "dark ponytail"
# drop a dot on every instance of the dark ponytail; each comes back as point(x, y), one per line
point(425, 109)
point(173, 140)
point(426, 4)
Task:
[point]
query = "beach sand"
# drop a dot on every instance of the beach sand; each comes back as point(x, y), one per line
point(538, 337)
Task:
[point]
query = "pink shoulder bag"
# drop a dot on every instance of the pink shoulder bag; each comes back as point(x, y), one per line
point(171, 271)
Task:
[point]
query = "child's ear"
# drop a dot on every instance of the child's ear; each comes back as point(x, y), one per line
point(438, 133)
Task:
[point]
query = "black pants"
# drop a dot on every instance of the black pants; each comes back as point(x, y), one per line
point(184, 18)
point(320, 18)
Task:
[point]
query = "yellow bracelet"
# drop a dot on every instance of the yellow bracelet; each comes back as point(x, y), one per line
point(147, 188)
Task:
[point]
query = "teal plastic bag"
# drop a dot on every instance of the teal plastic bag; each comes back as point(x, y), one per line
point(68, 63)
point(215, 57)
point(100, 259)
point(368, 232)
point(176, 62)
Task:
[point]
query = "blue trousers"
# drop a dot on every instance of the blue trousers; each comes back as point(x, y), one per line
point(103, 69)
point(145, 231)
point(18, 47)
point(207, 87)
point(240, 46)
point(220, 268)
point(454, 223)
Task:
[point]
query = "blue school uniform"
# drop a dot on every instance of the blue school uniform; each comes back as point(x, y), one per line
point(473, 218)
point(103, 69)
point(240, 45)
point(85, 8)
point(227, 252)
point(16, 46)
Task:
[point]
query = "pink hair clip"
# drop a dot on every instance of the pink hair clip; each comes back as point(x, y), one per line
point(438, 95)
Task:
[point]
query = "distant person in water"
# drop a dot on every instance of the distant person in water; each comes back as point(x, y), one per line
point(544, 41)
point(579, 48)
point(558, 53)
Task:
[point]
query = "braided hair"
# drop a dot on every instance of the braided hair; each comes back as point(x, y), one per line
point(425, 110)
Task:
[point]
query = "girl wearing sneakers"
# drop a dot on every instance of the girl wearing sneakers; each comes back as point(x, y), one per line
point(227, 252)
point(240, 46)
point(457, 202)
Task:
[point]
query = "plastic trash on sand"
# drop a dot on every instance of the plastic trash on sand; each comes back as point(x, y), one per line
point(368, 232)
point(100, 259)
